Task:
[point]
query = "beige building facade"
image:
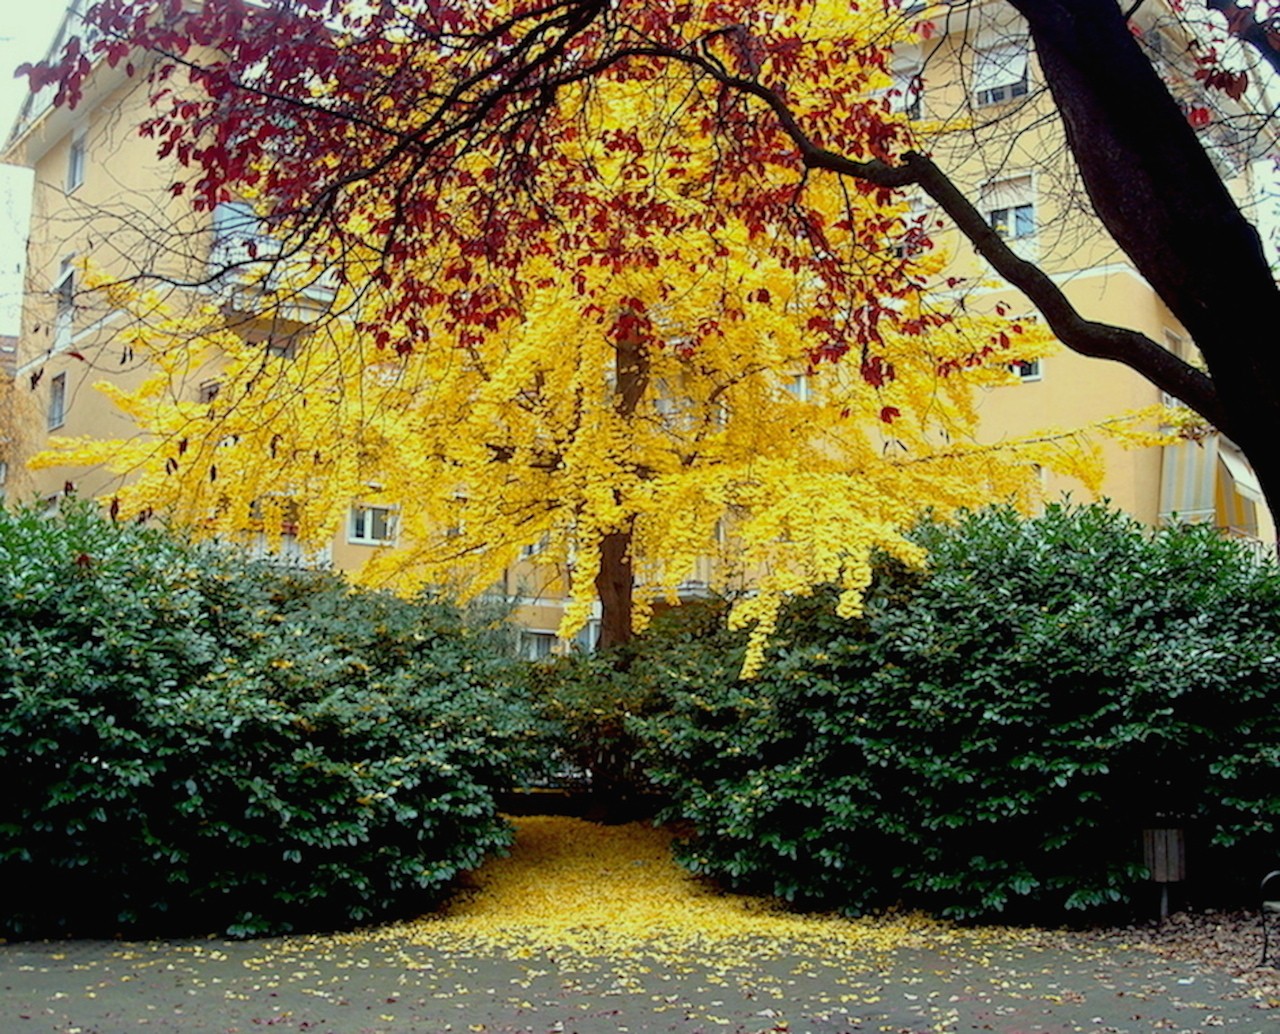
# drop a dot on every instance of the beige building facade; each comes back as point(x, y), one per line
point(975, 97)
point(100, 194)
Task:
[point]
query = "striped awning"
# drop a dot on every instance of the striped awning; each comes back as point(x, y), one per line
point(1210, 481)
point(1246, 481)
point(1187, 476)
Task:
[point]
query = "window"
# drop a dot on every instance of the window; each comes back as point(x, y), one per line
point(238, 239)
point(534, 548)
point(1010, 207)
point(1177, 344)
point(915, 237)
point(288, 553)
point(800, 387)
point(65, 307)
point(588, 637)
point(372, 525)
point(57, 401)
point(208, 391)
point(1027, 369)
point(234, 222)
point(76, 160)
point(537, 645)
point(674, 408)
point(907, 93)
point(1013, 222)
point(1000, 73)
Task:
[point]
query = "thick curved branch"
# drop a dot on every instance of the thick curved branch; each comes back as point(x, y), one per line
point(1087, 337)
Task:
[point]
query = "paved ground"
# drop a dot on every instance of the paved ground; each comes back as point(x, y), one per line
point(91, 987)
point(586, 931)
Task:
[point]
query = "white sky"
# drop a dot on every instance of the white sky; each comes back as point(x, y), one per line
point(26, 30)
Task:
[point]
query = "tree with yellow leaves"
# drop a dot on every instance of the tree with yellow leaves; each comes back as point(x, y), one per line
point(575, 329)
point(663, 414)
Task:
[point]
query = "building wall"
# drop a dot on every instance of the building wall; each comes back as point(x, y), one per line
point(1011, 151)
point(108, 206)
point(120, 216)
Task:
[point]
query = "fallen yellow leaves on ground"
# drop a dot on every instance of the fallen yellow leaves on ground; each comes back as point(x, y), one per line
point(590, 890)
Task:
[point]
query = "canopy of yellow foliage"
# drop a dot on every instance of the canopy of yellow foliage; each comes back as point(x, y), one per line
point(790, 413)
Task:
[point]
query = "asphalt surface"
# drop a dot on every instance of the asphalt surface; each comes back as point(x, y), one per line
point(588, 928)
point(385, 985)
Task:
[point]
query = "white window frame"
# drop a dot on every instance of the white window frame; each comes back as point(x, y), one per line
point(799, 386)
point(1009, 206)
point(588, 637)
point(1028, 371)
point(1020, 219)
point(915, 226)
point(673, 406)
point(907, 92)
point(57, 415)
point(532, 549)
point(361, 530)
point(537, 644)
point(64, 314)
point(77, 158)
point(239, 242)
point(1001, 72)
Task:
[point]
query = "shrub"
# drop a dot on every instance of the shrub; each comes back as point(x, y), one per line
point(591, 701)
point(191, 741)
point(994, 734)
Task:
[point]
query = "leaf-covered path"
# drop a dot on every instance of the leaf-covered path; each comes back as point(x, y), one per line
point(591, 929)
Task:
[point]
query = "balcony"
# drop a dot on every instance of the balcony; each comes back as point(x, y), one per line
point(248, 266)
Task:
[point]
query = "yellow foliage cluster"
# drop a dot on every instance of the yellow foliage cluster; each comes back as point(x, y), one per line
point(738, 449)
point(741, 443)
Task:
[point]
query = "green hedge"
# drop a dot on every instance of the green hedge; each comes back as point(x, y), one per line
point(191, 741)
point(994, 735)
point(592, 701)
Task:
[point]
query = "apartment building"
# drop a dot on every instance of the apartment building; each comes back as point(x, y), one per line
point(100, 192)
point(976, 94)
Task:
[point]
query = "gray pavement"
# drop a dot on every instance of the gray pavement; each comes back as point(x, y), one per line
point(380, 983)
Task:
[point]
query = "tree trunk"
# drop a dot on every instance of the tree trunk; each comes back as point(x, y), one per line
point(614, 586)
point(615, 580)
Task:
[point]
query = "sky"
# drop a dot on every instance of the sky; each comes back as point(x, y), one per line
point(26, 30)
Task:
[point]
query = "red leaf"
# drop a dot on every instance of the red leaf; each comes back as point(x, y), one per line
point(1199, 117)
point(890, 413)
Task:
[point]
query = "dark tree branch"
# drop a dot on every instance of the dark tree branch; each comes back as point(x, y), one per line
point(1088, 337)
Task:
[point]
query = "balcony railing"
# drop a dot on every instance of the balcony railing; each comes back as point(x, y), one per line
point(244, 256)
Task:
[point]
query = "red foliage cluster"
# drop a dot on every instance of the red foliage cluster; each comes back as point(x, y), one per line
point(440, 133)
